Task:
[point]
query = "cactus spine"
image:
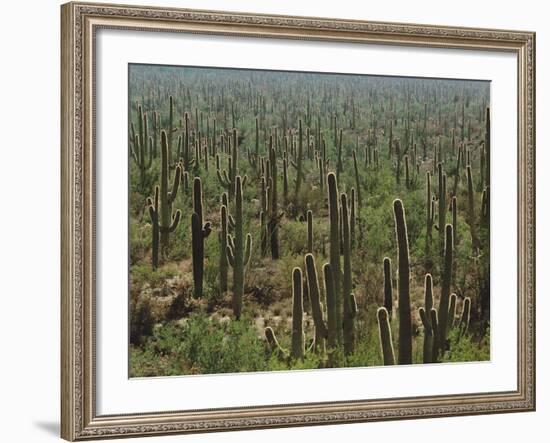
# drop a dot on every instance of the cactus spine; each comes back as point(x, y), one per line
point(404, 300)
point(199, 231)
point(386, 343)
point(238, 250)
point(297, 315)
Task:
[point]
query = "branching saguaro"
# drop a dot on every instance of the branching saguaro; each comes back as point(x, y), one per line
point(239, 250)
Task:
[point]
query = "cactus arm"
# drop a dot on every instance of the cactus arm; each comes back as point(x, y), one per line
point(175, 221)
point(247, 249)
point(175, 186)
point(230, 256)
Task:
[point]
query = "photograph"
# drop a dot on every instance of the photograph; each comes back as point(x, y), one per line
point(284, 220)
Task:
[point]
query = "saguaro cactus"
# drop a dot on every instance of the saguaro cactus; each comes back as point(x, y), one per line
point(444, 300)
point(465, 316)
point(441, 204)
point(334, 218)
point(426, 320)
point(386, 343)
point(330, 292)
point(309, 217)
point(238, 250)
point(223, 248)
point(297, 315)
point(273, 208)
point(471, 211)
point(167, 223)
point(429, 212)
point(388, 287)
point(142, 147)
point(153, 206)
point(199, 231)
point(404, 300)
point(188, 161)
point(357, 180)
point(348, 323)
point(321, 331)
point(298, 163)
point(227, 177)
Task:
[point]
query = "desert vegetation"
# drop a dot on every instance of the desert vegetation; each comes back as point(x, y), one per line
point(283, 220)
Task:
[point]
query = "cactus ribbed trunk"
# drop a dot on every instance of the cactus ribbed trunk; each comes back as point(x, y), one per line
point(167, 223)
point(223, 248)
point(404, 300)
point(238, 250)
point(349, 308)
point(388, 287)
point(297, 315)
point(309, 218)
point(357, 180)
point(386, 343)
point(199, 231)
point(444, 299)
point(334, 218)
point(321, 332)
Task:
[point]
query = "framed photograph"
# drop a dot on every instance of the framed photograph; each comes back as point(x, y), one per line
point(282, 221)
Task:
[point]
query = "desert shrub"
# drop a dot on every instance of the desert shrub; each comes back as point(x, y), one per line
point(141, 319)
point(467, 347)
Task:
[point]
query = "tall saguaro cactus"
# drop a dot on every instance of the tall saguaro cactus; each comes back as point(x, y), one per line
point(199, 231)
point(142, 147)
point(223, 248)
point(238, 250)
point(297, 315)
point(348, 323)
point(167, 222)
point(334, 218)
point(404, 299)
point(444, 299)
point(299, 160)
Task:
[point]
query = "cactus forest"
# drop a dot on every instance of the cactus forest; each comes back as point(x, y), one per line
point(292, 220)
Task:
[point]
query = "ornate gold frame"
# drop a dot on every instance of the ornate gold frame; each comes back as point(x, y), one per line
point(79, 21)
